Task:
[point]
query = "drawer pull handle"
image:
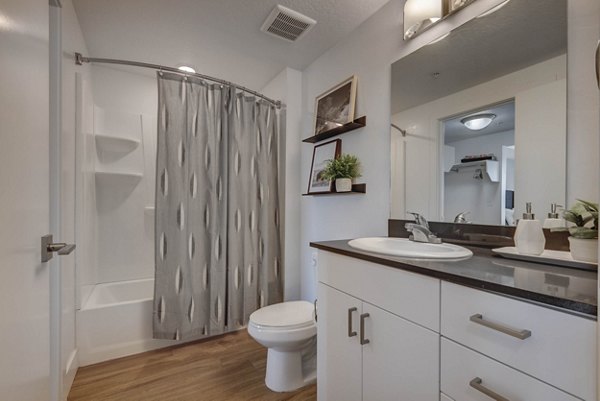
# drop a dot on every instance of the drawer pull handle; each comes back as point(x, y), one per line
point(476, 383)
point(363, 340)
point(351, 333)
point(520, 334)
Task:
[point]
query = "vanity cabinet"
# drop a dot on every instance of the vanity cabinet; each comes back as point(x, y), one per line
point(384, 333)
point(369, 351)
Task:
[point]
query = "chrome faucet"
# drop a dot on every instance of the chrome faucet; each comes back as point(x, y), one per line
point(420, 230)
point(420, 219)
point(462, 218)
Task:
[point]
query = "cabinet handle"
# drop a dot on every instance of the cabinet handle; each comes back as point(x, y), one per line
point(520, 334)
point(350, 332)
point(363, 340)
point(315, 311)
point(476, 383)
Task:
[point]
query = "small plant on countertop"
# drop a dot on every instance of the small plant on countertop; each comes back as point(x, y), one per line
point(344, 166)
point(584, 215)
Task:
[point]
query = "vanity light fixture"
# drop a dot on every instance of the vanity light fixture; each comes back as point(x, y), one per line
point(420, 14)
point(478, 122)
point(186, 68)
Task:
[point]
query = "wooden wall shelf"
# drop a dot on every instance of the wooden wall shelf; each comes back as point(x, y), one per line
point(356, 189)
point(357, 123)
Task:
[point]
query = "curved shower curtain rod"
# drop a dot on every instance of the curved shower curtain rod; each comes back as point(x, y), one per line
point(80, 59)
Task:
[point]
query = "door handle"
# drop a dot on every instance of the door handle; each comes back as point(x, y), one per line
point(477, 384)
point(351, 333)
point(49, 247)
point(363, 340)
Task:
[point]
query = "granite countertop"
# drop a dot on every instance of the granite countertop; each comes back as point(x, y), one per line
point(569, 289)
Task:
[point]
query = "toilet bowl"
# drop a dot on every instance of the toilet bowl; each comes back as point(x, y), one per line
point(289, 332)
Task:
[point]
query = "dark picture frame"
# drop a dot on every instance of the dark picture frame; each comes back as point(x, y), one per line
point(321, 155)
point(335, 107)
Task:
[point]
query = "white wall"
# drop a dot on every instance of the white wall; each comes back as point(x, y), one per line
point(287, 87)
point(583, 163)
point(368, 52)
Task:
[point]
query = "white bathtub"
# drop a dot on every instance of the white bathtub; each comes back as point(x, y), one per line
point(116, 321)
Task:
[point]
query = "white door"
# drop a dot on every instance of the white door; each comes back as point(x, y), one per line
point(401, 359)
point(339, 360)
point(24, 200)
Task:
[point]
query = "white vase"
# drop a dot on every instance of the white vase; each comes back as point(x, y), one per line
point(584, 250)
point(343, 185)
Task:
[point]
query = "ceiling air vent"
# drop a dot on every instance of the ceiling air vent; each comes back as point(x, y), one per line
point(287, 24)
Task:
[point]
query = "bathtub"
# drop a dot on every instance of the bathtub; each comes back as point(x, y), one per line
point(116, 321)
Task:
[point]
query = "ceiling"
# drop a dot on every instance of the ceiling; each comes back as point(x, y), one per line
point(221, 38)
point(454, 130)
point(520, 34)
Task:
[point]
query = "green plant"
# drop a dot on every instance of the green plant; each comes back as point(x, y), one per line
point(344, 166)
point(584, 215)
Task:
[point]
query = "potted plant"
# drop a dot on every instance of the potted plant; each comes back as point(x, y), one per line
point(584, 234)
point(343, 169)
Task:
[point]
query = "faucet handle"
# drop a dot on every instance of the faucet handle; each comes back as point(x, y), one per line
point(419, 219)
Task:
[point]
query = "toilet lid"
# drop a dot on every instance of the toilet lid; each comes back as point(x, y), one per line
point(285, 314)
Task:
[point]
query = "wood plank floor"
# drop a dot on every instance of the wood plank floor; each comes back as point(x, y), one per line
point(231, 367)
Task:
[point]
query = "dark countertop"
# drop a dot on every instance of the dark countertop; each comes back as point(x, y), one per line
point(560, 287)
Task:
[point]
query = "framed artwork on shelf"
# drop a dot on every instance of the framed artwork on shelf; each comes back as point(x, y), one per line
point(335, 107)
point(321, 155)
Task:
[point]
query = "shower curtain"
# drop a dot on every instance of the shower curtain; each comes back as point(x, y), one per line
point(217, 225)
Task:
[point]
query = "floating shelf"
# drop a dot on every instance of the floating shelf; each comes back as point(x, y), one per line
point(106, 177)
point(356, 189)
point(115, 144)
point(357, 123)
point(491, 167)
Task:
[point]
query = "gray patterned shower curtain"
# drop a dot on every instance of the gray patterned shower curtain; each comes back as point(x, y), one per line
point(217, 226)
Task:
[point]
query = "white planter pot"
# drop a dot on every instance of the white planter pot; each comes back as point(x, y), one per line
point(584, 250)
point(343, 185)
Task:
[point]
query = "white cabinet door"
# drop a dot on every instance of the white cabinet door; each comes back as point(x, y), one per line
point(401, 359)
point(339, 359)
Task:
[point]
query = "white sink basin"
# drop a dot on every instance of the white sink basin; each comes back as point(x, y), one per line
point(405, 248)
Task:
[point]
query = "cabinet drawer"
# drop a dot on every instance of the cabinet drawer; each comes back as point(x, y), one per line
point(560, 350)
point(461, 366)
point(412, 296)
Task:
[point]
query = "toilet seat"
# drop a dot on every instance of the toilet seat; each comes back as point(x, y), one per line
point(284, 316)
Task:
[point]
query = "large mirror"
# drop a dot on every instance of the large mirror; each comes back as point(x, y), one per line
point(479, 118)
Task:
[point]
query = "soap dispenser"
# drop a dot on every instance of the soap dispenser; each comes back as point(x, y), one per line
point(554, 220)
point(529, 236)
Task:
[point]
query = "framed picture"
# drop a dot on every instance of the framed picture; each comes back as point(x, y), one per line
point(335, 107)
point(321, 155)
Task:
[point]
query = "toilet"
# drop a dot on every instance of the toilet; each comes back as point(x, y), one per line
point(289, 332)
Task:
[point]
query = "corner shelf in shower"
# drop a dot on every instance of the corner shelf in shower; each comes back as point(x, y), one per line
point(351, 126)
point(115, 144)
point(115, 178)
